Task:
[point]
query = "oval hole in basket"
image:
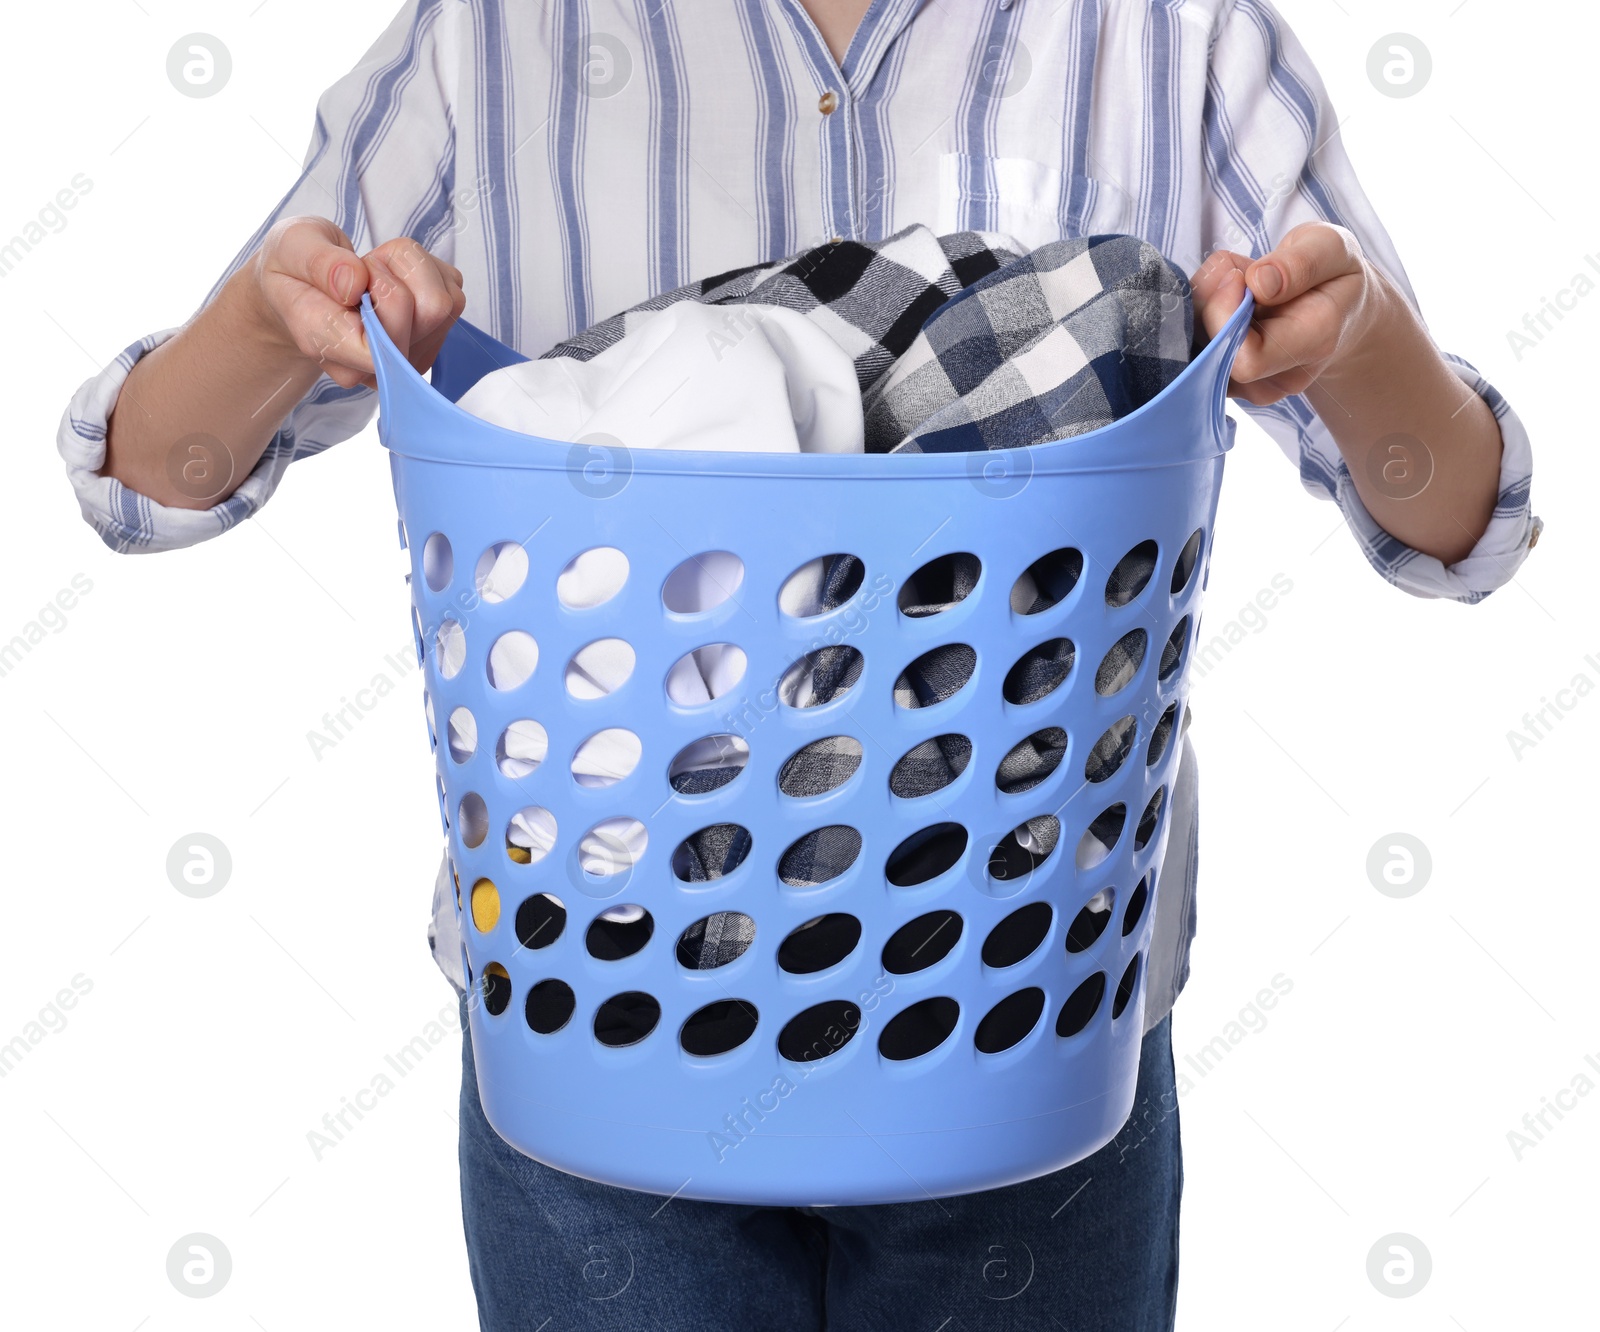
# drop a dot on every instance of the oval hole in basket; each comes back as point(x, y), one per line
point(930, 766)
point(496, 985)
point(708, 764)
point(1111, 750)
point(501, 572)
point(723, 1025)
point(919, 1029)
point(472, 820)
point(1121, 664)
point(485, 904)
point(706, 674)
point(450, 649)
point(1161, 736)
point(1047, 581)
point(591, 578)
point(714, 941)
point(618, 933)
point(1132, 574)
point(1126, 987)
point(820, 943)
point(530, 833)
point(512, 659)
point(819, 1031)
point(711, 853)
point(438, 561)
point(626, 1018)
point(1090, 922)
point(521, 748)
point(1018, 936)
point(939, 584)
point(820, 856)
point(600, 668)
point(613, 846)
point(702, 582)
point(540, 920)
point(1134, 912)
point(1081, 1006)
point(1024, 848)
point(821, 585)
point(921, 943)
point(820, 677)
point(1188, 557)
point(926, 854)
point(548, 1007)
point(1100, 837)
point(1039, 671)
point(822, 766)
point(935, 676)
point(606, 757)
point(1031, 760)
point(1149, 819)
point(1009, 1021)
point(1172, 654)
point(463, 735)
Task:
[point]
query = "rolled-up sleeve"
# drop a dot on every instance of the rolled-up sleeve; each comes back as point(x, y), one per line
point(1274, 160)
point(381, 164)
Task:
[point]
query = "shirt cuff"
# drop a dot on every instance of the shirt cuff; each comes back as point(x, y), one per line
point(1512, 532)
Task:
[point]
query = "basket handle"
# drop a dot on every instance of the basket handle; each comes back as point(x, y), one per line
point(1221, 351)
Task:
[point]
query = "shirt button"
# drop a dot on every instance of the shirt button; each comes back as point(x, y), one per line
point(839, 240)
point(828, 102)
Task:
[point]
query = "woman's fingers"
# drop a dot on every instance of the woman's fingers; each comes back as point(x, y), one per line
point(433, 291)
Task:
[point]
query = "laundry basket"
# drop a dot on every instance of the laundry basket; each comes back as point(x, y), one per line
point(876, 1041)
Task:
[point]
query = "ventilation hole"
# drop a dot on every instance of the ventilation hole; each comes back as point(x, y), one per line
point(1149, 819)
point(501, 572)
point(540, 921)
point(626, 1018)
point(1110, 750)
point(485, 900)
point(1039, 671)
point(930, 766)
point(512, 659)
point(606, 757)
point(450, 649)
point(1081, 1006)
point(496, 985)
point(820, 677)
point(444, 816)
point(939, 584)
point(438, 561)
point(822, 942)
point(716, 940)
point(1122, 663)
point(612, 847)
point(1135, 910)
point(1046, 581)
point(618, 933)
point(416, 634)
point(1031, 761)
point(702, 582)
point(1172, 654)
point(600, 668)
point(1016, 937)
point(705, 674)
point(1161, 736)
point(549, 1006)
point(1131, 575)
point(921, 943)
point(592, 578)
point(935, 676)
point(708, 764)
point(455, 878)
point(530, 834)
point(718, 1027)
point(521, 748)
point(463, 737)
point(1100, 837)
point(920, 1029)
point(926, 854)
point(820, 856)
point(821, 1030)
point(1125, 988)
point(472, 820)
point(1188, 557)
point(433, 726)
point(1024, 848)
point(1090, 922)
point(822, 766)
point(1009, 1021)
point(821, 585)
point(711, 853)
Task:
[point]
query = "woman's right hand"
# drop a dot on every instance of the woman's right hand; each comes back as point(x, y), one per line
point(307, 287)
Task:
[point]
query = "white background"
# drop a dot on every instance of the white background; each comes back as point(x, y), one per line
point(1378, 1098)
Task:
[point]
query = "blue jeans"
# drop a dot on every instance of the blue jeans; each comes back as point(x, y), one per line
point(1092, 1248)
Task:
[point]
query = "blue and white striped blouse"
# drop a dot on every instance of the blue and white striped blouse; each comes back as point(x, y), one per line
point(574, 158)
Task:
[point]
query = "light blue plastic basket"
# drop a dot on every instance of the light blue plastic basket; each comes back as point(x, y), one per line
point(847, 1124)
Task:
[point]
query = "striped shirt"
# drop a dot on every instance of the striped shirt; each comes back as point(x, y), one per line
point(574, 158)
